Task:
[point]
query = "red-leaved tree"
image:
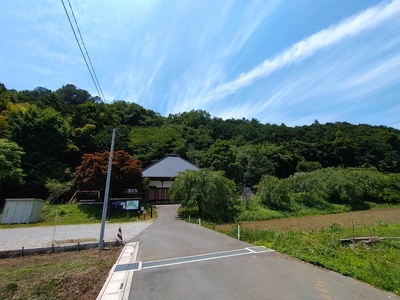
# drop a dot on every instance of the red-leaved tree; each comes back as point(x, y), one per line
point(92, 173)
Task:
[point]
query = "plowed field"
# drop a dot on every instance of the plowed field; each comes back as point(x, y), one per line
point(310, 223)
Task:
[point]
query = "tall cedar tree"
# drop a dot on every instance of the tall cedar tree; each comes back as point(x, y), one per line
point(126, 172)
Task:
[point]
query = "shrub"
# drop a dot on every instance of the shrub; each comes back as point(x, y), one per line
point(274, 193)
point(355, 187)
point(209, 193)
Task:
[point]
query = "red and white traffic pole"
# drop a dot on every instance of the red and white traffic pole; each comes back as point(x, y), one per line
point(119, 235)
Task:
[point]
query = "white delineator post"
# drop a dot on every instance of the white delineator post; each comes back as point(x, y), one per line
point(238, 230)
point(54, 231)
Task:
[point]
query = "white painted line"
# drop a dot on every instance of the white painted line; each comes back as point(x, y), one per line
point(201, 257)
point(118, 284)
point(191, 261)
point(263, 249)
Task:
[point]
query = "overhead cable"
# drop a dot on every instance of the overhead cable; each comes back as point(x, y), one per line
point(90, 68)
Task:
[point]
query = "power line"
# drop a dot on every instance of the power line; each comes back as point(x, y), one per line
point(87, 53)
point(90, 68)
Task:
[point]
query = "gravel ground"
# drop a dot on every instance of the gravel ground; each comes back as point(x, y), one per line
point(42, 236)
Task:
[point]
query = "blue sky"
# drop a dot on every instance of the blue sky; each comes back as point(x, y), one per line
point(289, 62)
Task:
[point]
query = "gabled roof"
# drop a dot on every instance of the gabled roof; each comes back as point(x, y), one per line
point(168, 167)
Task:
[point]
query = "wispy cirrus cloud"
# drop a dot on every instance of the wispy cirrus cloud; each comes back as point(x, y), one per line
point(366, 77)
point(247, 24)
point(335, 34)
point(221, 36)
point(268, 60)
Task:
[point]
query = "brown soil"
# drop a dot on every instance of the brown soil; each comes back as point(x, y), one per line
point(67, 275)
point(310, 223)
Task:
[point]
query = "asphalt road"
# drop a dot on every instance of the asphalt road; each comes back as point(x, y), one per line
point(248, 273)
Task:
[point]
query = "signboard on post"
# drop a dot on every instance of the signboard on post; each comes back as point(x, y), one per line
point(125, 203)
point(132, 205)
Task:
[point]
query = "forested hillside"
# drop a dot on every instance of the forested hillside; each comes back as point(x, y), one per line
point(44, 134)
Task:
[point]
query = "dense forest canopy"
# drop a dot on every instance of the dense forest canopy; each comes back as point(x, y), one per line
point(44, 135)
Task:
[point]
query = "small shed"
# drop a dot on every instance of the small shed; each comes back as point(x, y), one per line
point(162, 174)
point(22, 210)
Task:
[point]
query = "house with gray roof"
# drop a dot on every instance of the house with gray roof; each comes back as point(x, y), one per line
point(162, 174)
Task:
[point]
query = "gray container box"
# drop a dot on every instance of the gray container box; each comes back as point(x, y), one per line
point(22, 210)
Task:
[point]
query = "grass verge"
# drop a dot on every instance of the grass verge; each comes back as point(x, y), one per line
point(377, 264)
point(68, 214)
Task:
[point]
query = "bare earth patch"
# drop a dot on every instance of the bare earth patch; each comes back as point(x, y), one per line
point(67, 275)
point(310, 223)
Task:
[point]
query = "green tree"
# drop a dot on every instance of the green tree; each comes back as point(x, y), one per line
point(209, 192)
point(86, 113)
point(150, 144)
point(54, 101)
point(57, 189)
point(307, 166)
point(343, 150)
point(221, 157)
point(255, 163)
point(391, 191)
point(274, 193)
point(132, 114)
point(43, 135)
point(196, 131)
point(266, 159)
point(6, 99)
point(71, 95)
point(194, 119)
point(340, 188)
point(11, 175)
point(371, 182)
point(34, 96)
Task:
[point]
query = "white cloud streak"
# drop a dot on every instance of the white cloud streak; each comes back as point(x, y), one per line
point(352, 26)
point(247, 28)
point(221, 37)
point(156, 70)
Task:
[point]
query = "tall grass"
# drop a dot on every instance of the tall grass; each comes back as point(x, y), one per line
point(261, 213)
point(377, 264)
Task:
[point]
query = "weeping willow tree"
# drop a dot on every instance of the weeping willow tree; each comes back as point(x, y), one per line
point(210, 193)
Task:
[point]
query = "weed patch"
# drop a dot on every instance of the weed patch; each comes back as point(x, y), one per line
point(377, 264)
point(67, 275)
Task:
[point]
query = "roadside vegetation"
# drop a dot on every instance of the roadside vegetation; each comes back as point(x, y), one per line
point(63, 276)
point(376, 263)
point(205, 194)
point(68, 214)
point(323, 191)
